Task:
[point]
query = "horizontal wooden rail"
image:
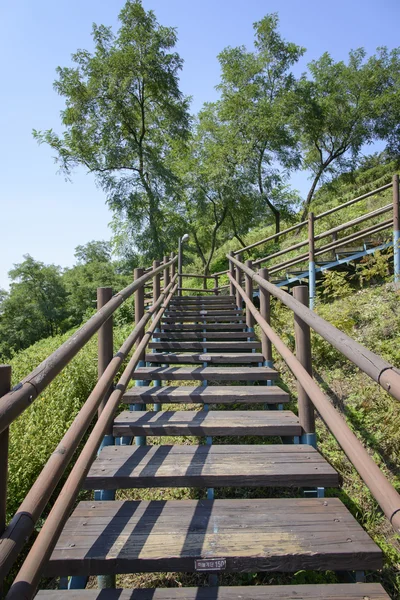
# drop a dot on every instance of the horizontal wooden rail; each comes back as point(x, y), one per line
point(210, 290)
point(197, 276)
point(320, 236)
point(382, 490)
point(24, 585)
point(353, 237)
point(23, 394)
point(304, 223)
point(23, 523)
point(370, 363)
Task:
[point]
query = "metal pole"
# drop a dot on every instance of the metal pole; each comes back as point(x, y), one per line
point(265, 311)
point(5, 386)
point(140, 440)
point(180, 267)
point(396, 228)
point(166, 273)
point(303, 354)
point(249, 292)
point(216, 292)
point(172, 266)
point(232, 272)
point(239, 280)
point(156, 295)
point(311, 259)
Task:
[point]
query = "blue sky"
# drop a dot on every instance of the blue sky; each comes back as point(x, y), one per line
point(47, 217)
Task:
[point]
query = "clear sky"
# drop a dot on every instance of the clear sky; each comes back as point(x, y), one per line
point(47, 217)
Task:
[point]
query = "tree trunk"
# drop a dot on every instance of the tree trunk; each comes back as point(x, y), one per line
point(311, 193)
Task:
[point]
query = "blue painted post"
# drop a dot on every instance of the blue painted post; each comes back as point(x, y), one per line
point(156, 295)
point(396, 228)
point(303, 354)
point(311, 259)
point(105, 354)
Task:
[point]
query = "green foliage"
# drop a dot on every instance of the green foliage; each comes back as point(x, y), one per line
point(34, 307)
point(375, 267)
point(123, 109)
point(337, 110)
point(335, 285)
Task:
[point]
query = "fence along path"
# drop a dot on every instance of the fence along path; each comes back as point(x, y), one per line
point(105, 537)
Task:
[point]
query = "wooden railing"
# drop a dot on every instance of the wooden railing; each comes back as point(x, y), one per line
point(311, 396)
point(289, 256)
point(103, 402)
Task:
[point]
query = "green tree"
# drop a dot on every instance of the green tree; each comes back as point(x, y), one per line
point(123, 109)
point(35, 306)
point(93, 252)
point(254, 90)
point(336, 111)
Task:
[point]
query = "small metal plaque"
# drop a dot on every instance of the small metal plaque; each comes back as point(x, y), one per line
point(210, 564)
point(203, 312)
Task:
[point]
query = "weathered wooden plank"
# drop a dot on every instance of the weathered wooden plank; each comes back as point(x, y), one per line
point(197, 307)
point(208, 423)
point(210, 394)
point(209, 335)
point(204, 313)
point(204, 319)
point(217, 358)
point(330, 591)
point(200, 327)
point(202, 299)
point(209, 345)
point(119, 467)
point(205, 373)
point(277, 534)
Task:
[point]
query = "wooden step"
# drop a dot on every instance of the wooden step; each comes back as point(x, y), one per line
point(210, 335)
point(320, 591)
point(206, 319)
point(200, 327)
point(122, 467)
point(210, 394)
point(208, 423)
point(202, 299)
point(198, 307)
point(203, 312)
point(205, 373)
point(274, 534)
point(229, 359)
point(210, 346)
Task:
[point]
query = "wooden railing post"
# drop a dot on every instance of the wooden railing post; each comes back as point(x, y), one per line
point(238, 272)
point(172, 266)
point(216, 291)
point(232, 272)
point(105, 348)
point(156, 295)
point(5, 386)
point(265, 311)
point(311, 259)
point(396, 228)
point(180, 266)
point(303, 354)
point(139, 312)
point(249, 292)
point(166, 273)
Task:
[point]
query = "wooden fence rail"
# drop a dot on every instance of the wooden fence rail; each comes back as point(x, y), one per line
point(385, 374)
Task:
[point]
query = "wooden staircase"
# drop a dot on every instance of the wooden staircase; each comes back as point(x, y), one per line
point(278, 534)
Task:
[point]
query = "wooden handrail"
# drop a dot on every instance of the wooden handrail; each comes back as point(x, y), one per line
point(380, 487)
point(23, 523)
point(24, 393)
